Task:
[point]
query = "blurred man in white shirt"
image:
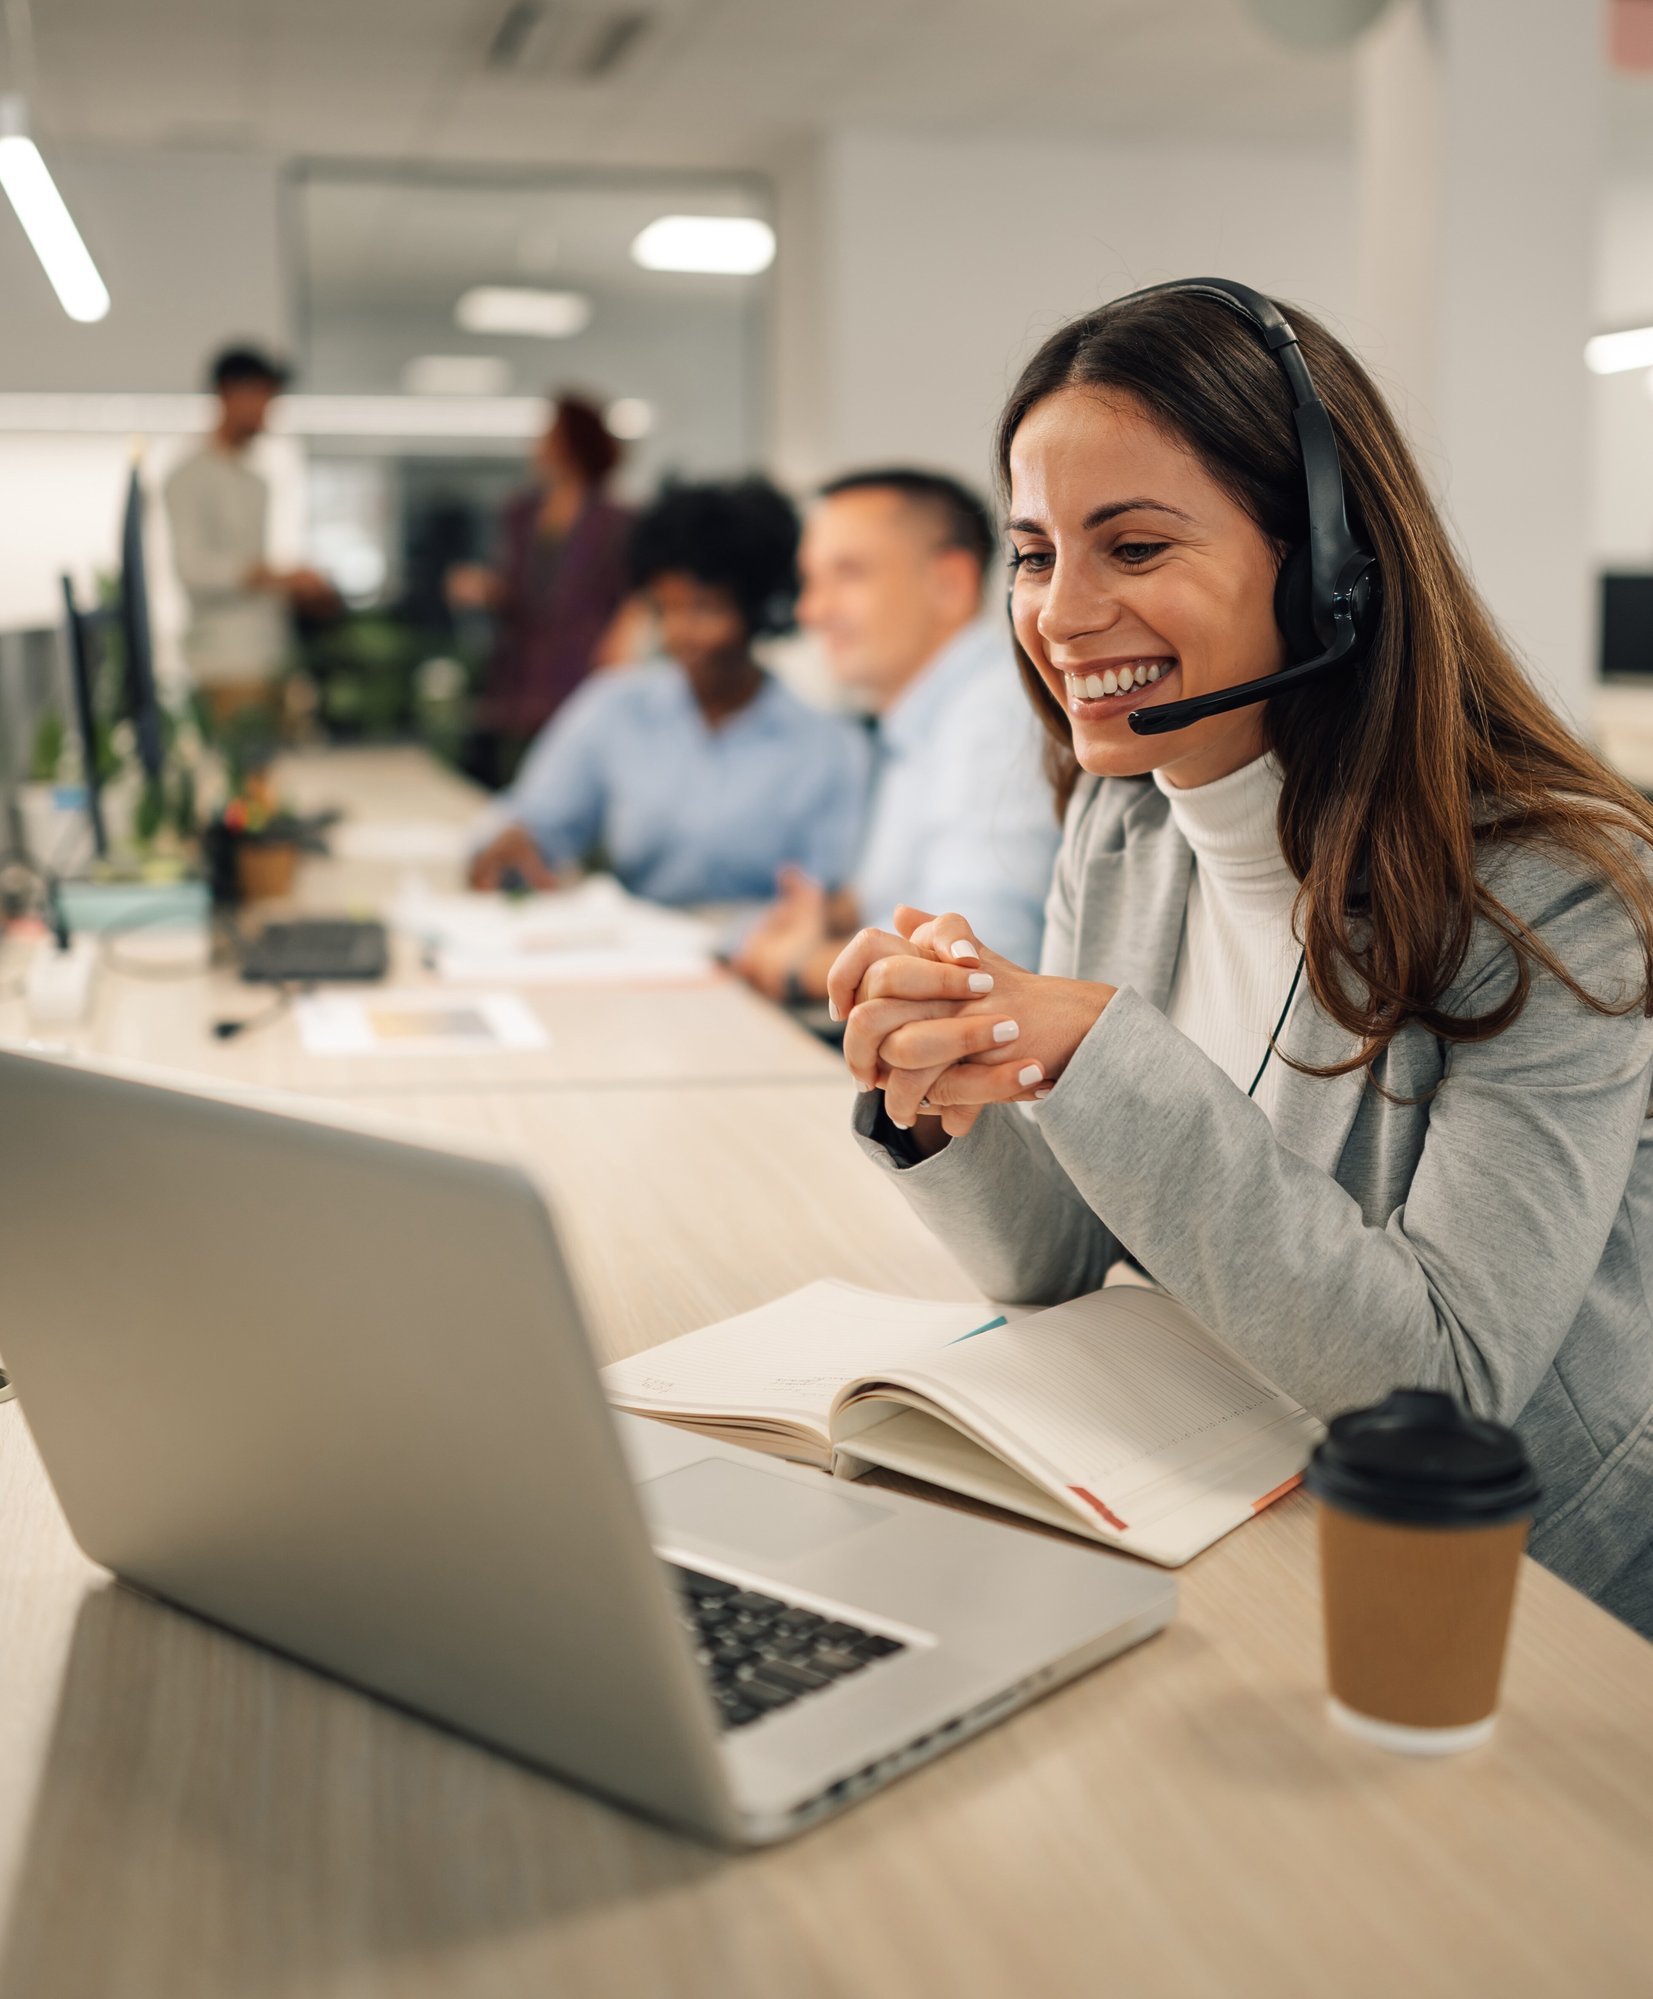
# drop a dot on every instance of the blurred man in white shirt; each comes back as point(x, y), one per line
point(217, 510)
point(959, 812)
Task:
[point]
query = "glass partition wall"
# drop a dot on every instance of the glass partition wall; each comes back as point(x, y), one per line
point(434, 317)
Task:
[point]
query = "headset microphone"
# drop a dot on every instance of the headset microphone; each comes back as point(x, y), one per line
point(1326, 594)
point(1345, 650)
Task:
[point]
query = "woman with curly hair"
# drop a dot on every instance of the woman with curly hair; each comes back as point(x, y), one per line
point(696, 777)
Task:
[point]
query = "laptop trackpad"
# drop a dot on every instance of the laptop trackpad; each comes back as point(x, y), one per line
point(743, 1513)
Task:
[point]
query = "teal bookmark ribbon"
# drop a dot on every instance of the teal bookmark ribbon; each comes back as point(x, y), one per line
point(1001, 1320)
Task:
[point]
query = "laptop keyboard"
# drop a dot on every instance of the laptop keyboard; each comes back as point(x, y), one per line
point(761, 1653)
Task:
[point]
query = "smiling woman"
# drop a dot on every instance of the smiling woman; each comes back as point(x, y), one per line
point(1404, 870)
point(1170, 588)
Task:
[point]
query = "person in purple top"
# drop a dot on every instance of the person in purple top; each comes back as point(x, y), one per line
point(558, 583)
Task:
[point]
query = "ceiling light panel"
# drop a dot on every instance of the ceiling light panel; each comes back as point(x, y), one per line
point(728, 245)
point(520, 309)
point(1615, 353)
point(457, 375)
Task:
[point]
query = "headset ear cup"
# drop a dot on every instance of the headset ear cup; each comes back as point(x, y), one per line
point(1293, 606)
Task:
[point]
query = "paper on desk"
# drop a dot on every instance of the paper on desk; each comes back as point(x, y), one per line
point(591, 934)
point(417, 1022)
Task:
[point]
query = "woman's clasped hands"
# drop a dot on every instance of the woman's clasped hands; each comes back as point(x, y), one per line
point(944, 1026)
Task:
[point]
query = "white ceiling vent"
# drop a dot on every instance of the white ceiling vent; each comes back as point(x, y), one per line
point(573, 41)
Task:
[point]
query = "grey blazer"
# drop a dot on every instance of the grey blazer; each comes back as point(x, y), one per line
point(1495, 1239)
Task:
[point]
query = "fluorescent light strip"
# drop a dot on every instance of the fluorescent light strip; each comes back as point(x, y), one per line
point(509, 417)
point(51, 229)
point(1617, 353)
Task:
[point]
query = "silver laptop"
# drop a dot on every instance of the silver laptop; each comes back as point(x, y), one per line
point(333, 1390)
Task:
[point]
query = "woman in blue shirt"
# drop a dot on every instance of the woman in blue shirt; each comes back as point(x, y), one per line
point(698, 777)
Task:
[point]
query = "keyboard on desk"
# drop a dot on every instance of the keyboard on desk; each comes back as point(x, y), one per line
point(761, 1653)
point(313, 949)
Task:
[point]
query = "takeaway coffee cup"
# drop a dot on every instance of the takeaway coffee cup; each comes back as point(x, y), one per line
point(1424, 1511)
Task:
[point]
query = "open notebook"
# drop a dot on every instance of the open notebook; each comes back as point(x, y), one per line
point(1118, 1416)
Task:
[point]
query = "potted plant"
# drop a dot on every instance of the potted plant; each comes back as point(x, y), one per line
point(260, 839)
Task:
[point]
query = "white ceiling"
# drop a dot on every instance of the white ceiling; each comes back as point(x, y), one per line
point(711, 83)
point(716, 83)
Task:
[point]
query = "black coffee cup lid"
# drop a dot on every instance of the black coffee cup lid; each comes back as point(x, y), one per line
point(1419, 1456)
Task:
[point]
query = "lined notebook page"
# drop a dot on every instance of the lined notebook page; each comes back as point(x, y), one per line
point(1121, 1397)
point(787, 1360)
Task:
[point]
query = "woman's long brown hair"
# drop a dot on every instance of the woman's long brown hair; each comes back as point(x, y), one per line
point(1402, 774)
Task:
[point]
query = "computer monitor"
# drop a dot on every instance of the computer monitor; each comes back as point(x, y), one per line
point(80, 638)
point(139, 698)
point(1627, 623)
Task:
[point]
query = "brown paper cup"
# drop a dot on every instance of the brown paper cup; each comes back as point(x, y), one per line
point(1417, 1623)
point(1424, 1509)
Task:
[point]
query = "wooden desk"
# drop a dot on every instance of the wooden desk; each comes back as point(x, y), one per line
point(182, 1814)
point(713, 1033)
point(379, 782)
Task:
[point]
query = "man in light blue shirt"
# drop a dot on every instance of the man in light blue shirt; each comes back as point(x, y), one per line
point(960, 814)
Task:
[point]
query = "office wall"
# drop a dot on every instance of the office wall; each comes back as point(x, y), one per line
point(932, 268)
point(694, 361)
point(1504, 279)
point(60, 511)
point(1621, 406)
point(190, 247)
point(802, 333)
point(915, 275)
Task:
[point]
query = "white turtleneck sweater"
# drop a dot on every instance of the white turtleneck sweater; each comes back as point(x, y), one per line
point(1238, 954)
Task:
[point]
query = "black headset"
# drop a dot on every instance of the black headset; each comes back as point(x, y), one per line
point(1327, 590)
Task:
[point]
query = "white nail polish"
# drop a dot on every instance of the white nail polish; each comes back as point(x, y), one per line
point(899, 1125)
point(1007, 1030)
point(832, 1010)
point(1040, 1095)
point(965, 949)
point(1031, 1074)
point(981, 982)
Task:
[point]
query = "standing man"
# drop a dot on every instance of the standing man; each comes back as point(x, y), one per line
point(217, 509)
point(959, 812)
